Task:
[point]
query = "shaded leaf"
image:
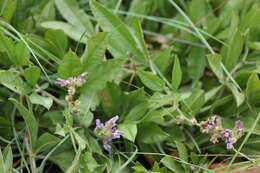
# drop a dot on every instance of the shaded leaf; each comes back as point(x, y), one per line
point(14, 82)
point(176, 74)
point(122, 41)
point(151, 81)
point(151, 133)
point(94, 51)
point(32, 74)
point(70, 10)
point(130, 131)
point(172, 164)
point(40, 100)
point(30, 121)
point(70, 67)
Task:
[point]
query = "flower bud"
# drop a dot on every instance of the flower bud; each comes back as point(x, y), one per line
point(77, 103)
point(69, 98)
point(71, 90)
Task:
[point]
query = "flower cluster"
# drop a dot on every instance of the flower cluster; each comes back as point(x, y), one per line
point(230, 137)
point(107, 132)
point(73, 81)
point(213, 127)
point(71, 85)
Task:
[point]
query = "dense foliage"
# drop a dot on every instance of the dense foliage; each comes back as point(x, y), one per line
point(129, 85)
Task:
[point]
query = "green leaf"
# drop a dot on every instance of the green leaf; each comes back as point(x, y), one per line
point(197, 9)
point(94, 51)
point(75, 164)
point(176, 75)
point(182, 151)
point(21, 54)
point(80, 141)
point(110, 98)
point(172, 164)
point(136, 113)
point(163, 60)
point(70, 67)
point(70, 10)
point(40, 100)
point(194, 158)
point(63, 159)
point(88, 163)
point(251, 19)
point(130, 131)
point(30, 121)
point(72, 31)
point(195, 101)
point(32, 74)
point(9, 10)
point(14, 82)
point(85, 119)
point(45, 142)
point(215, 64)
point(58, 41)
point(122, 42)
point(7, 45)
point(254, 45)
point(151, 81)
point(253, 89)
point(150, 133)
point(107, 71)
point(239, 97)
point(196, 63)
point(231, 53)
point(138, 33)
point(8, 155)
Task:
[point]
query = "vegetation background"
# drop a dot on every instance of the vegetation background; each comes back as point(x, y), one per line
point(162, 66)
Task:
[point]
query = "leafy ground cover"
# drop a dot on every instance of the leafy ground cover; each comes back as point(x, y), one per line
point(129, 86)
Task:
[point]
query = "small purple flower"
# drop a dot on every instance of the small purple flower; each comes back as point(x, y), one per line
point(73, 81)
point(112, 122)
point(62, 82)
point(83, 75)
point(211, 126)
point(239, 124)
point(229, 146)
point(108, 132)
point(227, 133)
point(229, 143)
point(99, 125)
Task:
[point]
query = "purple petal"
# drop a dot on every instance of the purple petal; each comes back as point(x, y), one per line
point(84, 74)
point(239, 124)
point(112, 121)
point(107, 147)
point(117, 134)
point(226, 133)
point(99, 125)
point(229, 146)
point(211, 127)
point(62, 82)
point(107, 140)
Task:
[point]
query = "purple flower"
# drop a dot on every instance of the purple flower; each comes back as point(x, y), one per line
point(62, 82)
point(239, 124)
point(227, 133)
point(99, 125)
point(211, 126)
point(229, 146)
point(112, 122)
point(229, 143)
point(73, 81)
point(108, 132)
